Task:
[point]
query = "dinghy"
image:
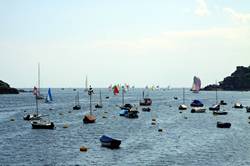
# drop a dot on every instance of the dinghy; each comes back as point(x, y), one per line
point(196, 103)
point(198, 110)
point(219, 113)
point(146, 109)
point(238, 105)
point(223, 125)
point(109, 142)
point(42, 124)
point(215, 107)
point(248, 109)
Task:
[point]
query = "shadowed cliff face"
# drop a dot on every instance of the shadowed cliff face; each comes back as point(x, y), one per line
point(239, 80)
point(6, 89)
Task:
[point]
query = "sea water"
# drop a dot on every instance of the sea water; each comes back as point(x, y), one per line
point(187, 138)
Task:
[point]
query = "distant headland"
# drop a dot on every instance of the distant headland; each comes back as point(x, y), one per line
point(6, 89)
point(238, 81)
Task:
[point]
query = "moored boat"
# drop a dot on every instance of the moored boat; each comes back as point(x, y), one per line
point(196, 85)
point(219, 113)
point(248, 109)
point(223, 125)
point(146, 109)
point(183, 106)
point(42, 124)
point(215, 107)
point(198, 110)
point(89, 118)
point(196, 103)
point(33, 116)
point(109, 142)
point(145, 101)
point(238, 105)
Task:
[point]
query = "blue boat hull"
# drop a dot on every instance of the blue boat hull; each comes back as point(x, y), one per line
point(110, 142)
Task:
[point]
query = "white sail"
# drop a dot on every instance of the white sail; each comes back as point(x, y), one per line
point(196, 84)
point(86, 84)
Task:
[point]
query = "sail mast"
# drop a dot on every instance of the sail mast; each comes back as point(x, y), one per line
point(216, 92)
point(100, 97)
point(183, 95)
point(90, 91)
point(122, 95)
point(38, 79)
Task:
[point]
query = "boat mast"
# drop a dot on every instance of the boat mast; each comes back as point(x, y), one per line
point(122, 96)
point(78, 98)
point(216, 92)
point(38, 79)
point(142, 94)
point(36, 105)
point(90, 91)
point(100, 97)
point(183, 95)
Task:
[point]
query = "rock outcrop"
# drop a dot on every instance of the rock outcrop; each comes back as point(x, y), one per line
point(6, 89)
point(238, 81)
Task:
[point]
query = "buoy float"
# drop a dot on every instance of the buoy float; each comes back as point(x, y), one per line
point(104, 117)
point(185, 117)
point(69, 112)
point(12, 119)
point(153, 119)
point(105, 112)
point(153, 123)
point(60, 113)
point(83, 149)
point(65, 126)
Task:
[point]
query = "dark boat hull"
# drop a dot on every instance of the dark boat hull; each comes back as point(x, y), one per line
point(146, 109)
point(89, 119)
point(220, 113)
point(98, 106)
point(223, 125)
point(110, 142)
point(77, 107)
point(41, 126)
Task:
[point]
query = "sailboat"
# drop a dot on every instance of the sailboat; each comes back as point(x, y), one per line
point(183, 106)
point(99, 105)
point(146, 101)
point(37, 122)
point(216, 106)
point(86, 84)
point(39, 96)
point(89, 118)
point(77, 103)
point(127, 110)
point(33, 116)
point(196, 85)
point(48, 98)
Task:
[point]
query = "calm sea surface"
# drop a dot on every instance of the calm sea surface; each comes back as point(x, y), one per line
point(194, 140)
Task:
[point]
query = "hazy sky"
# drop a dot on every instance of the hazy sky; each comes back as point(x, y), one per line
point(140, 42)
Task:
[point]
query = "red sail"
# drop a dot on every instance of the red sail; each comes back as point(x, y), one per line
point(116, 90)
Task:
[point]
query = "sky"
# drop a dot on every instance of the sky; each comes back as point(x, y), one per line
point(139, 42)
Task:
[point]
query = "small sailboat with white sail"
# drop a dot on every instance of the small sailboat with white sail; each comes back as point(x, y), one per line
point(77, 103)
point(183, 106)
point(89, 118)
point(99, 105)
point(196, 85)
point(49, 98)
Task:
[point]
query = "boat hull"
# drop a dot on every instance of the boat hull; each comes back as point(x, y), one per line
point(49, 125)
point(110, 142)
point(198, 110)
point(223, 125)
point(77, 107)
point(219, 113)
point(89, 119)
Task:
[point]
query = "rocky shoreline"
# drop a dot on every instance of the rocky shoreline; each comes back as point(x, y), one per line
point(6, 89)
point(239, 80)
